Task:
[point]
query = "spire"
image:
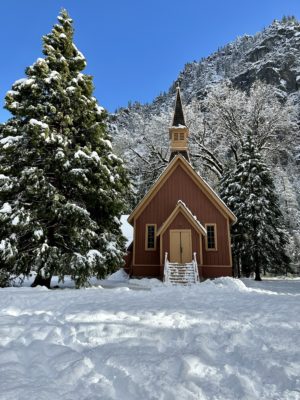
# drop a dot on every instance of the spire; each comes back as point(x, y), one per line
point(178, 118)
point(178, 132)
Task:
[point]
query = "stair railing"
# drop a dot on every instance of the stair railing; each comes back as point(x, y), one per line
point(166, 268)
point(195, 265)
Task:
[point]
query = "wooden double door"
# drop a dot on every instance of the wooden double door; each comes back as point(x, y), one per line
point(180, 246)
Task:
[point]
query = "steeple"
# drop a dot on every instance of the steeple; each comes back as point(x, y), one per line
point(178, 118)
point(178, 132)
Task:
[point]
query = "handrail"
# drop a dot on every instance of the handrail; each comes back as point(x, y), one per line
point(166, 268)
point(196, 271)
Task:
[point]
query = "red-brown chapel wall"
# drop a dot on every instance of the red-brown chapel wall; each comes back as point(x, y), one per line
point(180, 186)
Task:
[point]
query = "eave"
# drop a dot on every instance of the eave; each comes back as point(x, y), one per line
point(183, 209)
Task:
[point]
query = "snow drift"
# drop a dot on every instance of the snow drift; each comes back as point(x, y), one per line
point(216, 340)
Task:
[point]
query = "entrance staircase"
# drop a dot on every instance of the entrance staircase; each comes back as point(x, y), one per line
point(181, 274)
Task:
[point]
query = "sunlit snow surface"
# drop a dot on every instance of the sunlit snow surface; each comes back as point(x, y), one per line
point(217, 340)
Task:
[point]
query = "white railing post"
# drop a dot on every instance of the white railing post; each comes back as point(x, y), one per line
point(196, 268)
point(166, 268)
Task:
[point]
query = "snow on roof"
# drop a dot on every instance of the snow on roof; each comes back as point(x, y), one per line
point(127, 229)
point(178, 126)
point(192, 215)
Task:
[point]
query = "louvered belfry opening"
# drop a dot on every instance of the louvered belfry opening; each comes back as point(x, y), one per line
point(178, 132)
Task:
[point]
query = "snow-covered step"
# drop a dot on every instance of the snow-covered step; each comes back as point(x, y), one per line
point(181, 274)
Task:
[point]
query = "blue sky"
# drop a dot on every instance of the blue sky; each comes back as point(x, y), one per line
point(134, 48)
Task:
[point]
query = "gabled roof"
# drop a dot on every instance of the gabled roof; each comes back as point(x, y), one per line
point(200, 182)
point(182, 208)
point(178, 119)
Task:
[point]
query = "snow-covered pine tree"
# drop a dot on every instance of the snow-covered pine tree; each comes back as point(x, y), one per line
point(259, 238)
point(61, 186)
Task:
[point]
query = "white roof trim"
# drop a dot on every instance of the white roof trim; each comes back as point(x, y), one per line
point(180, 202)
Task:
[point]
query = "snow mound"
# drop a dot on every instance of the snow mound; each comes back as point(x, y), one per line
point(119, 275)
point(230, 284)
point(226, 284)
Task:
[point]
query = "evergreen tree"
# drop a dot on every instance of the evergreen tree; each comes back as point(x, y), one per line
point(259, 238)
point(61, 186)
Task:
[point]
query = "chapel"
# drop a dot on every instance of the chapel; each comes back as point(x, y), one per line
point(181, 228)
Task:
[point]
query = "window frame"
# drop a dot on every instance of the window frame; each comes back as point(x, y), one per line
point(147, 237)
point(178, 136)
point(215, 237)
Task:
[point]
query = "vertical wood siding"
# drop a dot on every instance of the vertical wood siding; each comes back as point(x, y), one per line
point(180, 186)
point(214, 272)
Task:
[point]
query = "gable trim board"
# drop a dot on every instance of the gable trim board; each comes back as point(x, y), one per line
point(200, 182)
point(201, 251)
point(229, 241)
point(181, 208)
point(134, 242)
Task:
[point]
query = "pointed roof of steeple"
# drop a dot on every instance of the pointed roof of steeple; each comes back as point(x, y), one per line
point(178, 118)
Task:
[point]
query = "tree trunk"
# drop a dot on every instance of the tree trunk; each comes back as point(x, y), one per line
point(246, 267)
point(238, 266)
point(257, 259)
point(257, 273)
point(41, 281)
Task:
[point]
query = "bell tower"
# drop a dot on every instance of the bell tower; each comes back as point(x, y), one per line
point(178, 132)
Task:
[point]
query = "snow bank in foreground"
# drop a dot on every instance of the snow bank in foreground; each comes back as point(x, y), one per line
point(216, 340)
point(151, 283)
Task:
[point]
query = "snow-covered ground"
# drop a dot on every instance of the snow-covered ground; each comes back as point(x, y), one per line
point(217, 340)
